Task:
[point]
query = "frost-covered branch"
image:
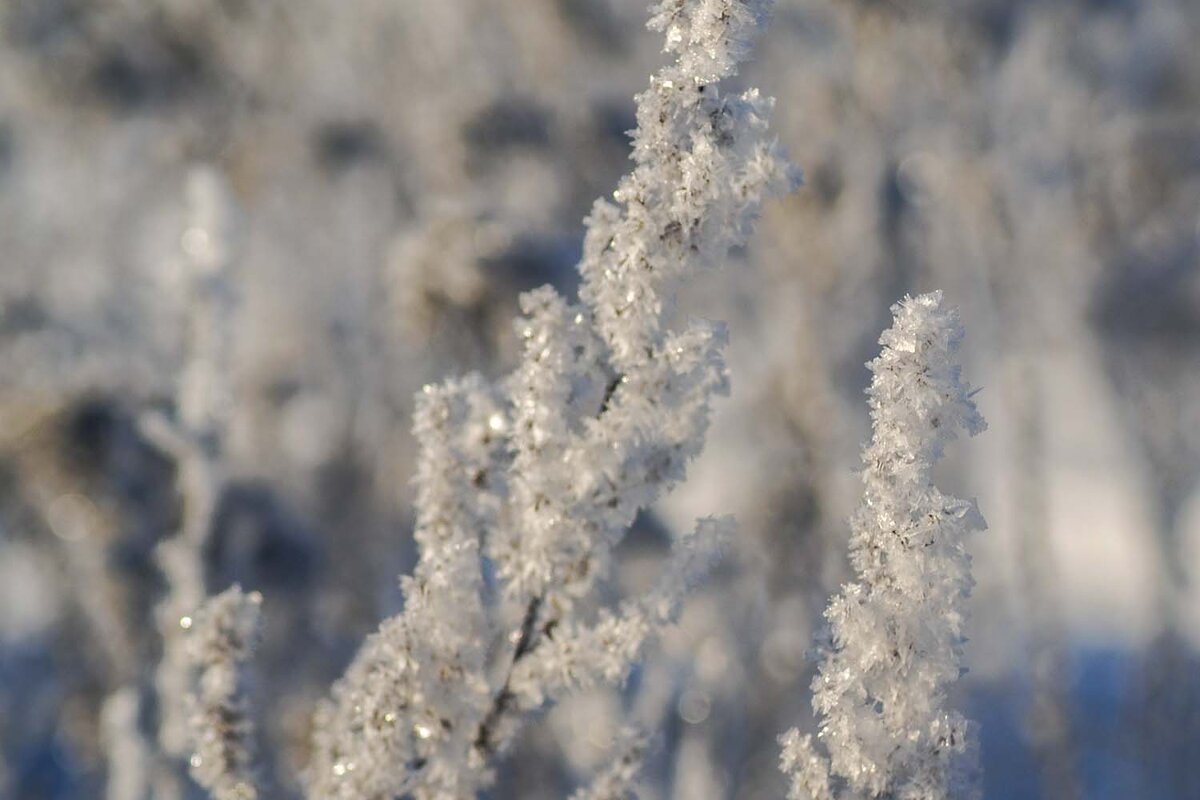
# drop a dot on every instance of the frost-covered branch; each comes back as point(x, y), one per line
point(180, 558)
point(609, 405)
point(582, 656)
point(896, 632)
point(704, 163)
point(544, 474)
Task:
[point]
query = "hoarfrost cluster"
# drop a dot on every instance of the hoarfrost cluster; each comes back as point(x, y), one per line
point(896, 632)
point(245, 243)
point(543, 474)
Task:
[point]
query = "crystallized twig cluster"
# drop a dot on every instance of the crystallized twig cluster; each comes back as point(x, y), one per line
point(545, 473)
point(896, 632)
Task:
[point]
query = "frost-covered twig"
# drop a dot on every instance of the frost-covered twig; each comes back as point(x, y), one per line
point(703, 166)
point(616, 781)
point(609, 404)
point(599, 419)
point(193, 441)
point(897, 630)
point(180, 558)
point(408, 704)
point(582, 656)
point(221, 639)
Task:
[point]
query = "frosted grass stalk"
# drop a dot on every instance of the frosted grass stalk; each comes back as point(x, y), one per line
point(896, 631)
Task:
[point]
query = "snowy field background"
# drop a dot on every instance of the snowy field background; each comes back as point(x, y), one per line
point(383, 178)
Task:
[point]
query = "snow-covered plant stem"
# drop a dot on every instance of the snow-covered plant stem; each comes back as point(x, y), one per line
point(896, 632)
point(543, 474)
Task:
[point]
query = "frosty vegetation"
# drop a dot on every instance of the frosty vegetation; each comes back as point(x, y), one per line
point(543, 473)
point(896, 632)
point(221, 640)
point(259, 272)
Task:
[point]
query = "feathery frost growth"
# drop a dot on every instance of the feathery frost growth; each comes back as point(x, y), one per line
point(220, 642)
point(418, 687)
point(543, 475)
point(896, 633)
point(617, 780)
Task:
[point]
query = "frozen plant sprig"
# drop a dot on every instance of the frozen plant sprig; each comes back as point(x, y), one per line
point(609, 404)
point(193, 438)
point(220, 642)
point(582, 656)
point(180, 557)
point(402, 718)
point(896, 632)
point(703, 165)
point(544, 474)
point(617, 779)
